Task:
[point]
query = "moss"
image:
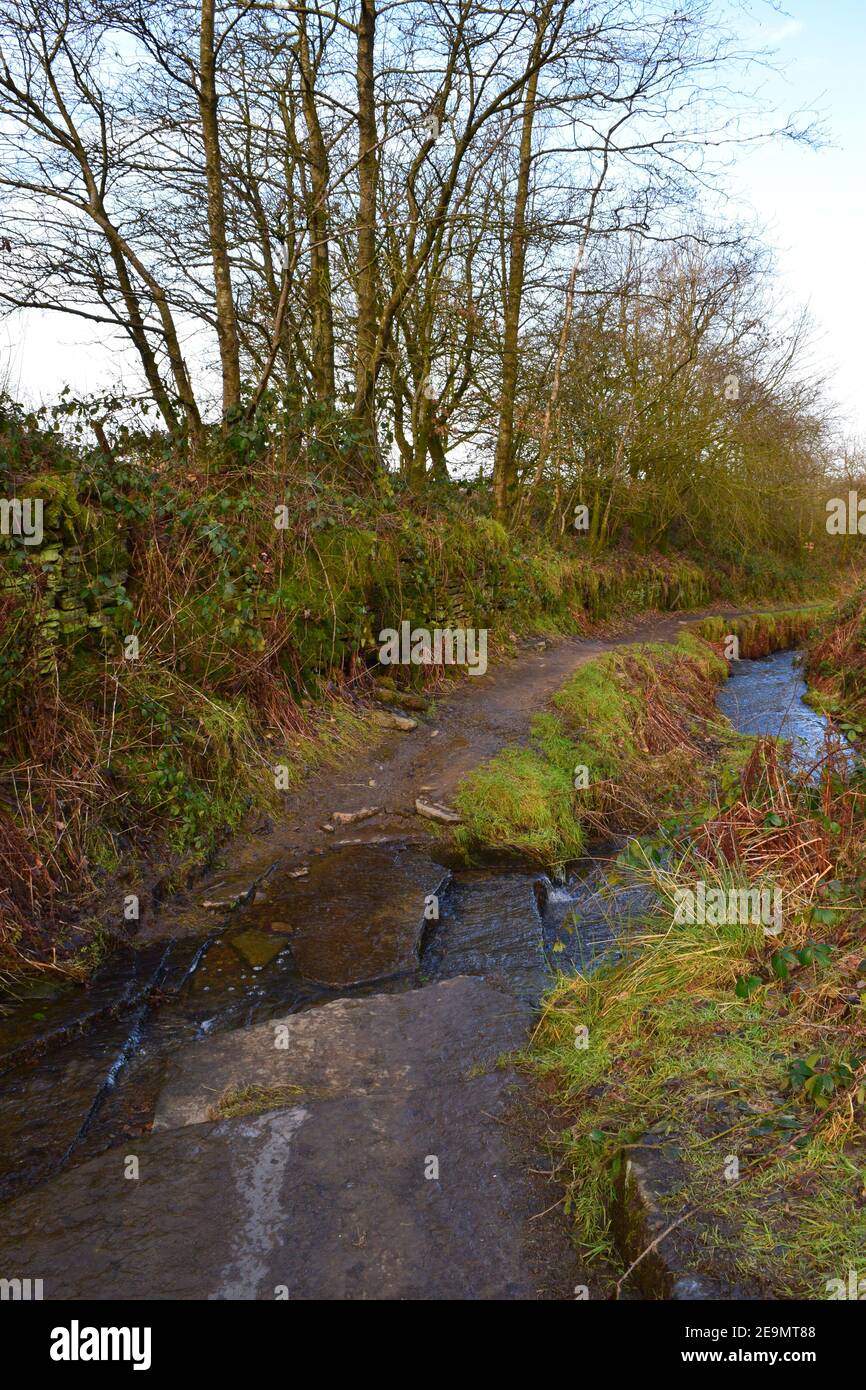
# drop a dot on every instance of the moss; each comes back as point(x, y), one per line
point(519, 804)
point(599, 708)
point(762, 633)
point(530, 801)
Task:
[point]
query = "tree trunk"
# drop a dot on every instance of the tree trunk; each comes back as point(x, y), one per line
point(504, 464)
point(226, 321)
point(368, 173)
point(140, 340)
point(322, 336)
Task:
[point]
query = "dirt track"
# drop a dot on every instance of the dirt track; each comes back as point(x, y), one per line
point(468, 725)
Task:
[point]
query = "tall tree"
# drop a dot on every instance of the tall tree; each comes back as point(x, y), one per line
point(226, 321)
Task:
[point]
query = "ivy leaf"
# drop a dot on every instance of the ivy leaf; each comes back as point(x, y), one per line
point(799, 1072)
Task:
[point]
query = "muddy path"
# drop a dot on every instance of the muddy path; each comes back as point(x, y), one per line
point(467, 725)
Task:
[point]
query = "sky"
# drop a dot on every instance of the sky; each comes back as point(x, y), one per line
point(811, 203)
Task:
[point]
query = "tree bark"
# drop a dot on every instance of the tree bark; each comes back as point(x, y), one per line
point(226, 320)
point(366, 279)
point(504, 465)
point(322, 336)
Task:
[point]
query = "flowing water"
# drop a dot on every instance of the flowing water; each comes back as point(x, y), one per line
point(83, 1067)
point(766, 697)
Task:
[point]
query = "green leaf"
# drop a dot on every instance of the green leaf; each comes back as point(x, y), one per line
point(781, 962)
point(746, 985)
point(820, 1087)
point(826, 915)
point(799, 1072)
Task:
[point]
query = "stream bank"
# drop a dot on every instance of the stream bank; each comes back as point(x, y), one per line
point(709, 1082)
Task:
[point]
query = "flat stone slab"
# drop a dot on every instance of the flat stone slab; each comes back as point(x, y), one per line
point(401, 1188)
point(491, 927)
point(123, 982)
point(382, 1044)
point(357, 916)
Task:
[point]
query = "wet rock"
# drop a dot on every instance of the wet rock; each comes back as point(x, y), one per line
point(541, 891)
point(651, 1173)
point(352, 817)
point(256, 947)
point(652, 1192)
point(358, 915)
point(232, 890)
point(490, 925)
point(43, 1107)
point(121, 984)
point(362, 1047)
point(395, 1179)
point(51, 987)
point(432, 810)
point(385, 719)
point(405, 698)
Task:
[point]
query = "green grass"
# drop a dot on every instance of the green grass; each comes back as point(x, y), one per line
point(253, 1100)
point(519, 803)
point(524, 801)
point(673, 1049)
